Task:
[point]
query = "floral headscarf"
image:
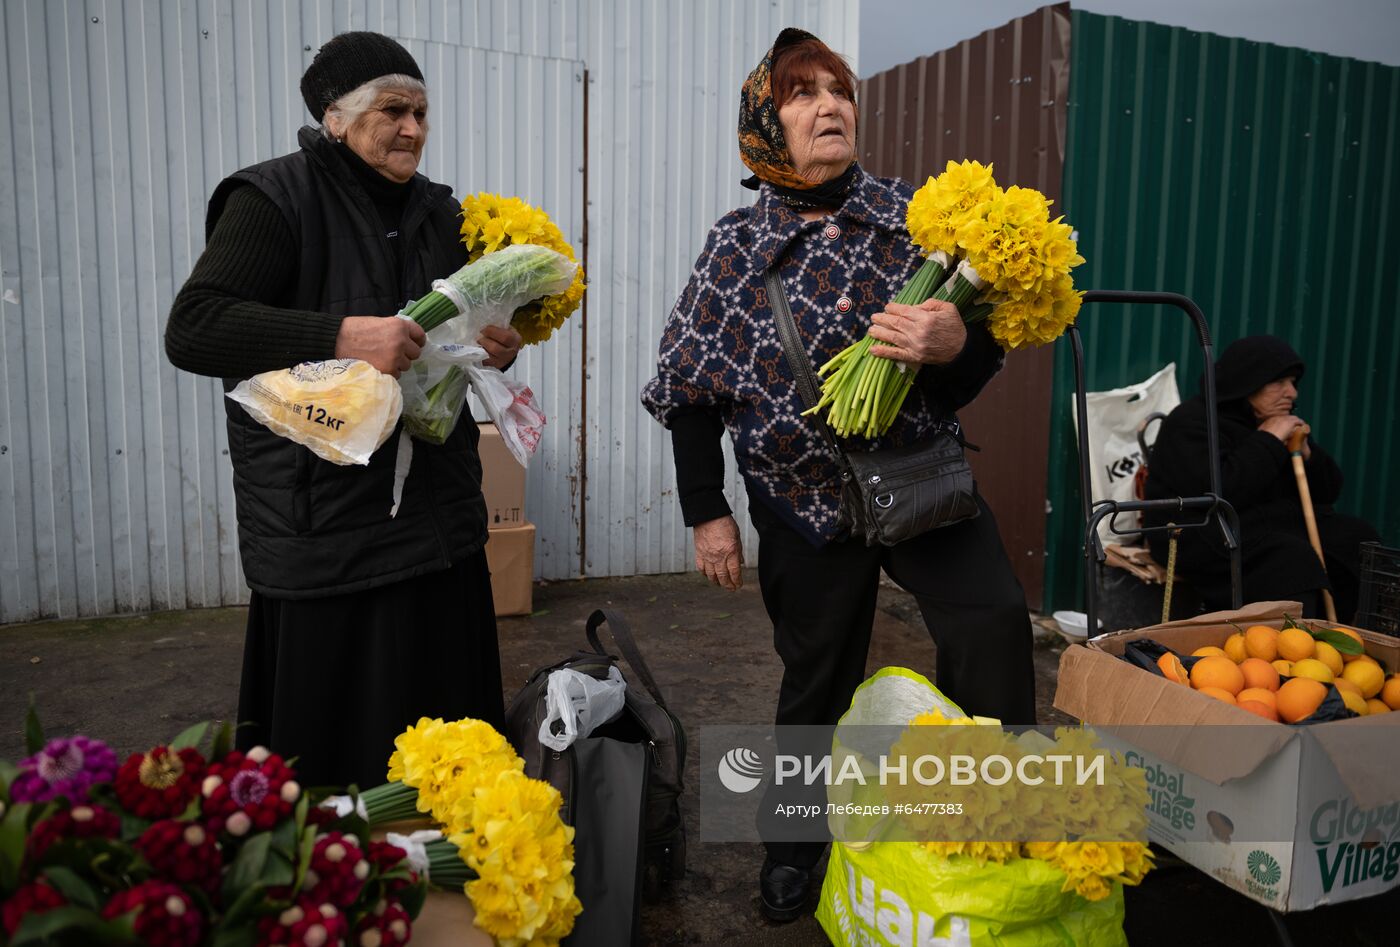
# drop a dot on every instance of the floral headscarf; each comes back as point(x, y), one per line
point(762, 145)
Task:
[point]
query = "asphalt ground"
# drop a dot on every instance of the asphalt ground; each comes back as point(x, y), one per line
point(136, 681)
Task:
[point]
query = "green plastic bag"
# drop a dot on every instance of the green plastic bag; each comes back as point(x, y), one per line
point(900, 893)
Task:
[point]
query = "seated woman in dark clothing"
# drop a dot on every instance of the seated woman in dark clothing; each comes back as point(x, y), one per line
point(1256, 387)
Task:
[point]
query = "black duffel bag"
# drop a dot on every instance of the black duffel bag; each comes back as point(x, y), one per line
point(594, 775)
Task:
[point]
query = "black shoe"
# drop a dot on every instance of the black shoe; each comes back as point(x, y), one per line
point(783, 890)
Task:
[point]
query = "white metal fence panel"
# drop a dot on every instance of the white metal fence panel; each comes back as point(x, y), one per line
point(119, 118)
point(115, 494)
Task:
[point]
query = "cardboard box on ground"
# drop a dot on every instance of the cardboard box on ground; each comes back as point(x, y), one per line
point(1292, 816)
point(502, 481)
point(510, 547)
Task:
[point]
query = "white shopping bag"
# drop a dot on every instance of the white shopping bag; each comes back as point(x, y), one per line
point(1114, 453)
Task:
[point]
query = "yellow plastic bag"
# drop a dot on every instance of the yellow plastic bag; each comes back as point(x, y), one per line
point(342, 410)
point(900, 893)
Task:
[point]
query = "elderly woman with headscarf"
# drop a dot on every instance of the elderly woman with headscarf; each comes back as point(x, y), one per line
point(1256, 384)
point(358, 624)
point(838, 239)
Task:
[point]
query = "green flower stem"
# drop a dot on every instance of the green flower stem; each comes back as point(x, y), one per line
point(391, 802)
point(446, 867)
point(961, 288)
point(862, 390)
point(436, 426)
point(431, 311)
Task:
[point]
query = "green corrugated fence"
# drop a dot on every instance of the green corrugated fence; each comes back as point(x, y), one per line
point(1261, 182)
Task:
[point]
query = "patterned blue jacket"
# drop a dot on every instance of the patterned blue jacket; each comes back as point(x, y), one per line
point(720, 350)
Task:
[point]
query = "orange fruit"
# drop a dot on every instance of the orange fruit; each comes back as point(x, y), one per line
point(1355, 703)
point(1234, 647)
point(1366, 658)
point(1299, 698)
point(1313, 668)
point(1342, 684)
point(1217, 672)
point(1285, 668)
point(1259, 673)
point(1172, 668)
point(1260, 695)
point(1377, 706)
point(1259, 709)
point(1295, 644)
point(1368, 678)
point(1261, 641)
point(1209, 651)
point(1329, 656)
point(1219, 693)
point(1390, 692)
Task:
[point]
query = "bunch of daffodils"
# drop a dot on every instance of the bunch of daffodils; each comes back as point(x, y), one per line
point(501, 838)
point(1090, 833)
point(993, 253)
point(490, 223)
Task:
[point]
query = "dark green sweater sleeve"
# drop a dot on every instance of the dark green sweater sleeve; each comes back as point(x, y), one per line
point(225, 321)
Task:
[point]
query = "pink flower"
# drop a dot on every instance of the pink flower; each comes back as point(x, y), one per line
point(65, 767)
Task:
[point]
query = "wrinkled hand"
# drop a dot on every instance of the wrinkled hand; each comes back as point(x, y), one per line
point(719, 553)
point(389, 344)
point(1282, 427)
point(502, 345)
point(931, 333)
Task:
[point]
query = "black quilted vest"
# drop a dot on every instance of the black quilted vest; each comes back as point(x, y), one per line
point(306, 527)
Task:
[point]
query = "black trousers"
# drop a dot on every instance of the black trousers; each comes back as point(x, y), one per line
point(332, 681)
point(822, 605)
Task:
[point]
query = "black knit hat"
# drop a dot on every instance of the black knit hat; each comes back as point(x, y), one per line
point(349, 61)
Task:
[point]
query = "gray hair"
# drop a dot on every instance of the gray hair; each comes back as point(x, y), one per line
point(352, 106)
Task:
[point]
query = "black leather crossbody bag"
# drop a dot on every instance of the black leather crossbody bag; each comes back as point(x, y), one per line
point(887, 496)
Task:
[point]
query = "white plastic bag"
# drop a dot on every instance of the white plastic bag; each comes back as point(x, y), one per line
point(577, 703)
point(1114, 419)
point(342, 410)
point(509, 404)
point(435, 391)
point(485, 293)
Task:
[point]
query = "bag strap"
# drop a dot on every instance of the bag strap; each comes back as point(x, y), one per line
point(799, 364)
point(801, 368)
point(622, 634)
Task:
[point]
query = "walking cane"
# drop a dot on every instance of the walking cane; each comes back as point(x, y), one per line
point(1295, 449)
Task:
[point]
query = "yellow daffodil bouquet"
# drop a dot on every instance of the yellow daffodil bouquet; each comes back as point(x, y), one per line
point(520, 272)
point(993, 253)
point(500, 837)
point(1091, 834)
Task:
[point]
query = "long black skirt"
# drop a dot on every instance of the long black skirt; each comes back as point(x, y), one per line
point(332, 681)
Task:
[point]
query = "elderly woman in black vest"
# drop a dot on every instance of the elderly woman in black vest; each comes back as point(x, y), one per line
point(1256, 383)
point(358, 624)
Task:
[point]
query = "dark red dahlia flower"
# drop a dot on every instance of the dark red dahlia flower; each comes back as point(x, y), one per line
point(183, 852)
point(79, 822)
point(159, 784)
point(165, 915)
point(251, 792)
point(34, 898)
point(337, 871)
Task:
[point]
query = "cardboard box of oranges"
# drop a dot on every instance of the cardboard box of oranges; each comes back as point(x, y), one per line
point(1256, 773)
